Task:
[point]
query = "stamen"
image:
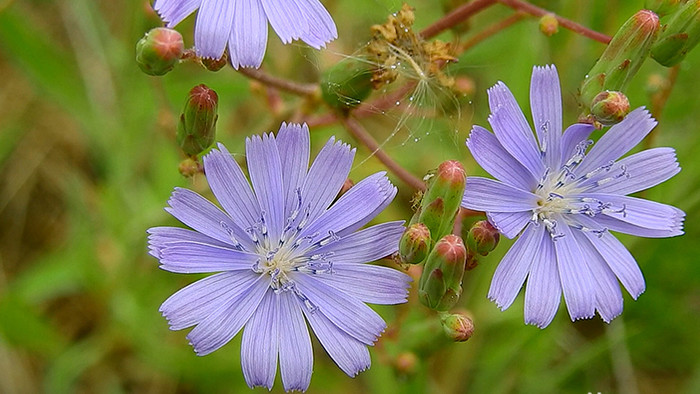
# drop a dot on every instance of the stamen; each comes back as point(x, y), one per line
point(540, 184)
point(229, 231)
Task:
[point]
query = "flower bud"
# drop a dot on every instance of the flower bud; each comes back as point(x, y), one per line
point(483, 237)
point(197, 127)
point(448, 185)
point(441, 283)
point(623, 56)
point(681, 34)
point(406, 363)
point(190, 167)
point(215, 64)
point(662, 7)
point(432, 215)
point(415, 244)
point(159, 50)
point(610, 108)
point(457, 327)
point(549, 25)
point(346, 85)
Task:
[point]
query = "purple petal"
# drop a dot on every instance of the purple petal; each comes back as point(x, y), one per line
point(196, 257)
point(608, 294)
point(174, 11)
point(248, 35)
point(485, 194)
point(213, 27)
point(359, 203)
point(493, 158)
point(512, 130)
point(513, 268)
point(545, 100)
point(160, 237)
point(577, 281)
point(259, 343)
point(346, 312)
point(326, 176)
point(618, 140)
point(296, 356)
point(574, 135)
point(194, 303)
point(639, 212)
point(265, 170)
point(543, 289)
point(225, 322)
point(618, 258)
point(368, 283)
point(294, 146)
point(321, 28)
point(231, 188)
point(349, 354)
point(607, 223)
point(286, 19)
point(197, 212)
point(509, 223)
point(643, 170)
point(366, 245)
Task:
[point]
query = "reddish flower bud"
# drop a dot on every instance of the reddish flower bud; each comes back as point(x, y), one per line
point(448, 185)
point(609, 107)
point(458, 327)
point(483, 237)
point(441, 283)
point(549, 25)
point(406, 363)
point(623, 56)
point(159, 50)
point(197, 127)
point(415, 244)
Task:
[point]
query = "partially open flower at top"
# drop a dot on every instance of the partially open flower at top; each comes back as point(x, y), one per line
point(286, 254)
point(242, 24)
point(563, 199)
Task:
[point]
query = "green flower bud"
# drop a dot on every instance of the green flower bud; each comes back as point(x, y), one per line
point(159, 50)
point(432, 215)
point(609, 108)
point(447, 185)
point(549, 25)
point(415, 244)
point(662, 7)
point(680, 35)
point(457, 327)
point(623, 56)
point(441, 283)
point(483, 237)
point(346, 85)
point(197, 127)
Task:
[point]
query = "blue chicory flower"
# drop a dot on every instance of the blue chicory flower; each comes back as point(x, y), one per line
point(564, 199)
point(242, 24)
point(285, 254)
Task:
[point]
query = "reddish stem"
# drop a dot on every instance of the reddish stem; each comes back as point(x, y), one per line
point(458, 15)
point(524, 6)
point(363, 137)
point(301, 89)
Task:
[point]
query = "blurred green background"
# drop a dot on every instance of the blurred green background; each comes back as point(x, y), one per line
point(88, 159)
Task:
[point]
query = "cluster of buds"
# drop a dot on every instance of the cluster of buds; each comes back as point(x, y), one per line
point(395, 46)
point(617, 65)
point(679, 35)
point(428, 238)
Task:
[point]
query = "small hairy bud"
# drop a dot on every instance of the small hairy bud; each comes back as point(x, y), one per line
point(549, 25)
point(197, 127)
point(415, 244)
point(458, 327)
point(189, 167)
point(159, 50)
point(483, 237)
point(609, 108)
point(215, 64)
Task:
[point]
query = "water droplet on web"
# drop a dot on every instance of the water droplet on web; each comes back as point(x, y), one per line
point(398, 103)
